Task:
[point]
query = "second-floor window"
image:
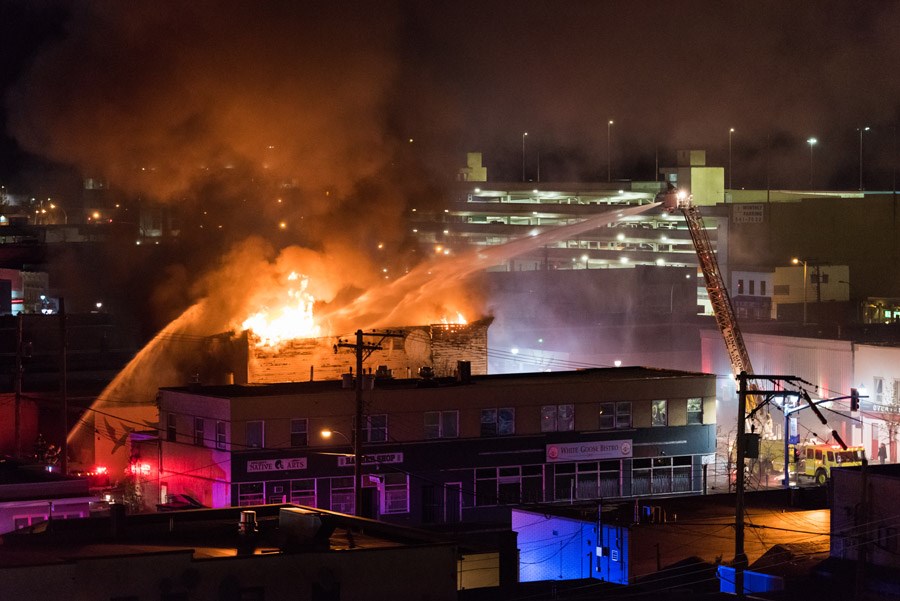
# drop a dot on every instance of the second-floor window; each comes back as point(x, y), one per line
point(557, 418)
point(171, 432)
point(198, 432)
point(375, 428)
point(299, 433)
point(498, 422)
point(659, 413)
point(879, 391)
point(740, 287)
point(441, 424)
point(220, 436)
point(615, 415)
point(256, 434)
point(695, 411)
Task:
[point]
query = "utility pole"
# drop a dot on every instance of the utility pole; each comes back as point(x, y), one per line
point(63, 352)
point(18, 435)
point(362, 351)
point(745, 389)
point(358, 428)
point(740, 557)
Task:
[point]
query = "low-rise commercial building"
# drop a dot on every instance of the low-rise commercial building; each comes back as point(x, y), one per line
point(437, 450)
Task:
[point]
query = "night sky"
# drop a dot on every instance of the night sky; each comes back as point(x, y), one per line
point(110, 87)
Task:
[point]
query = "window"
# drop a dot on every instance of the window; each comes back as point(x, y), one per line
point(21, 521)
point(171, 432)
point(752, 287)
point(588, 480)
point(509, 485)
point(376, 428)
point(303, 492)
point(498, 422)
point(198, 432)
point(220, 436)
point(879, 391)
point(342, 494)
point(255, 435)
point(740, 287)
point(557, 418)
point(781, 289)
point(299, 435)
point(615, 415)
point(762, 288)
point(396, 493)
point(441, 424)
point(694, 411)
point(659, 413)
point(661, 475)
point(250, 493)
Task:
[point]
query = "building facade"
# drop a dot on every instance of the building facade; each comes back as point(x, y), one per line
point(441, 450)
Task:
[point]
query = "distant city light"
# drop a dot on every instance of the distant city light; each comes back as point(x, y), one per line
point(617, 363)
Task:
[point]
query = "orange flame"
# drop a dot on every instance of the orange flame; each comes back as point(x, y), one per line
point(458, 320)
point(294, 320)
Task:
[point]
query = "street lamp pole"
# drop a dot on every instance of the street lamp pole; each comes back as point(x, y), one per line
point(797, 262)
point(608, 155)
point(524, 135)
point(811, 142)
point(861, 130)
point(730, 134)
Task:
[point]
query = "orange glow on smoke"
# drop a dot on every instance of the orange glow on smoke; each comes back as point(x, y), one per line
point(295, 320)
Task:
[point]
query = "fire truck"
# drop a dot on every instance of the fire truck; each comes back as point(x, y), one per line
point(820, 458)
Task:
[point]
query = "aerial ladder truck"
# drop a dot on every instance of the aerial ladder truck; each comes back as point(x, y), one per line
point(677, 200)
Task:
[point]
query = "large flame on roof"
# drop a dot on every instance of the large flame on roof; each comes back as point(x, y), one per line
point(295, 319)
point(458, 320)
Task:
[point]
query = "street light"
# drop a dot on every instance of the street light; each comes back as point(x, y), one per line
point(357, 465)
point(65, 215)
point(811, 142)
point(730, 134)
point(861, 130)
point(797, 261)
point(327, 433)
point(524, 135)
point(608, 155)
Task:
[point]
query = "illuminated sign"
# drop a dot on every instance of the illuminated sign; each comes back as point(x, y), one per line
point(371, 459)
point(274, 465)
point(585, 451)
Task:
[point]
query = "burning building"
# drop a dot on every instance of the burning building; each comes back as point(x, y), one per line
point(248, 359)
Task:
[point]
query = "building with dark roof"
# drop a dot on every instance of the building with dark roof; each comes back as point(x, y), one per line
point(439, 451)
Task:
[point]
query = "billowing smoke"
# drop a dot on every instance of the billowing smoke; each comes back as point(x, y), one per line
point(155, 98)
point(271, 120)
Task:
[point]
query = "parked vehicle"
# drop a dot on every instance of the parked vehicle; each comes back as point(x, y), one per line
point(819, 459)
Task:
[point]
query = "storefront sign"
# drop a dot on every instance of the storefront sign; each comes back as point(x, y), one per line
point(584, 451)
point(372, 459)
point(274, 465)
